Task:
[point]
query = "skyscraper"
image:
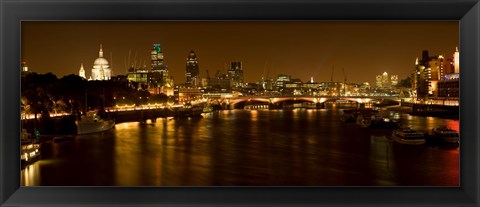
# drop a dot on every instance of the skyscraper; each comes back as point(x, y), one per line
point(157, 58)
point(385, 80)
point(394, 80)
point(158, 79)
point(236, 73)
point(378, 81)
point(192, 73)
point(429, 70)
point(159, 69)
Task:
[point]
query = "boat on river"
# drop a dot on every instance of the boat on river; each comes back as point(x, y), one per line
point(383, 123)
point(93, 123)
point(30, 149)
point(408, 136)
point(370, 119)
point(445, 135)
point(189, 111)
point(352, 115)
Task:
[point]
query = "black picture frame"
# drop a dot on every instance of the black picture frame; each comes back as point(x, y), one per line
point(14, 11)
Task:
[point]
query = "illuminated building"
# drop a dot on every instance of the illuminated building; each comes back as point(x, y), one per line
point(449, 87)
point(378, 81)
point(428, 72)
point(281, 80)
point(221, 81)
point(159, 68)
point(421, 78)
point(192, 71)
point(157, 58)
point(311, 84)
point(449, 83)
point(364, 88)
point(81, 72)
point(333, 88)
point(101, 70)
point(186, 94)
point(394, 80)
point(139, 78)
point(456, 61)
point(159, 80)
point(267, 84)
point(385, 80)
point(236, 74)
point(24, 68)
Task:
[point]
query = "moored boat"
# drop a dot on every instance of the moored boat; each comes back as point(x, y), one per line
point(192, 111)
point(92, 123)
point(445, 135)
point(30, 149)
point(363, 122)
point(408, 136)
point(357, 115)
point(383, 123)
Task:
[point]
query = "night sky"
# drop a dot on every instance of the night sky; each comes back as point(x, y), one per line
point(300, 48)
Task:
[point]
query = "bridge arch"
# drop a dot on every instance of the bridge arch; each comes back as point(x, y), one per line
point(272, 100)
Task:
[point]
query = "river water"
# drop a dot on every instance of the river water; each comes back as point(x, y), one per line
point(297, 147)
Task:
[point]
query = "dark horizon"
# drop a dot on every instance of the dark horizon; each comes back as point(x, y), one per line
point(302, 49)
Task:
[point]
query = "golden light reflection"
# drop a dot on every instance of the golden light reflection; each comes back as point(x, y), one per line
point(431, 123)
point(31, 175)
point(158, 171)
point(126, 125)
point(254, 115)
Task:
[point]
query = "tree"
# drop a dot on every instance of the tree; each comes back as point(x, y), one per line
point(407, 82)
point(35, 92)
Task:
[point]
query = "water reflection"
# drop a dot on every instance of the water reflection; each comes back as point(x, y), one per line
point(31, 175)
point(247, 147)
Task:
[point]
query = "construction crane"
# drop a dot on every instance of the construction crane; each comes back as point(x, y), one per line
point(208, 78)
point(331, 77)
point(344, 82)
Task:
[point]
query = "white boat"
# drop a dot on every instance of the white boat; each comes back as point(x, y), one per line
point(30, 149)
point(408, 136)
point(445, 134)
point(92, 123)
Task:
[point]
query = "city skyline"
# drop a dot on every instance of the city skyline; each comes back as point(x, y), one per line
point(302, 49)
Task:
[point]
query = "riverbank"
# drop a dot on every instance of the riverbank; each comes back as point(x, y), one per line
point(409, 110)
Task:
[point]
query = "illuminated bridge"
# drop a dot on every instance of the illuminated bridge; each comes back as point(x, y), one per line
point(313, 99)
point(229, 102)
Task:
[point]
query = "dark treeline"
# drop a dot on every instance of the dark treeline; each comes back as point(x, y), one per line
point(45, 94)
